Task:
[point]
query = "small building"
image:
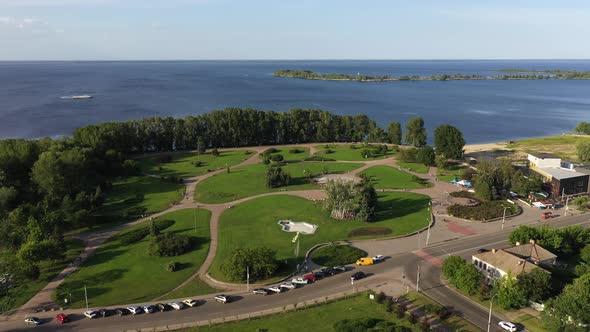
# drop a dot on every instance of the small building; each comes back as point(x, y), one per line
point(561, 178)
point(514, 260)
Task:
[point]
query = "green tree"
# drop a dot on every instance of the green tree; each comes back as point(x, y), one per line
point(451, 266)
point(583, 151)
point(377, 135)
point(509, 293)
point(570, 311)
point(276, 177)
point(483, 188)
point(583, 128)
point(468, 278)
point(415, 132)
point(425, 155)
point(261, 262)
point(201, 146)
point(449, 141)
point(585, 254)
point(535, 284)
point(367, 200)
point(341, 199)
point(394, 133)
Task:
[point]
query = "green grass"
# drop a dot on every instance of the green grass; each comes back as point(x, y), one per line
point(414, 167)
point(563, 146)
point(118, 273)
point(194, 288)
point(182, 164)
point(289, 156)
point(317, 318)
point(121, 204)
point(533, 324)
point(345, 152)
point(400, 212)
point(250, 180)
point(337, 255)
point(386, 177)
point(454, 322)
point(49, 269)
point(450, 173)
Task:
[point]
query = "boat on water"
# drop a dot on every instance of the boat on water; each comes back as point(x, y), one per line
point(77, 97)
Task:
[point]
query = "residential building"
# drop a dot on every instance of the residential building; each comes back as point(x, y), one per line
point(560, 177)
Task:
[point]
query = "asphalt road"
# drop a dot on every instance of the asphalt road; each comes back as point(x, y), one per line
point(393, 268)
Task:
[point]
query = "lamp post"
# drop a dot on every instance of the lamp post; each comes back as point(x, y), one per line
point(429, 220)
point(504, 216)
point(490, 315)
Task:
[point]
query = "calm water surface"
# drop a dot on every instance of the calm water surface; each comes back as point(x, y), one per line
point(486, 111)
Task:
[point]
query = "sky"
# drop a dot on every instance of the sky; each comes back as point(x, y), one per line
point(293, 29)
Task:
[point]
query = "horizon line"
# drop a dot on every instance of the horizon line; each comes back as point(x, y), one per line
point(310, 59)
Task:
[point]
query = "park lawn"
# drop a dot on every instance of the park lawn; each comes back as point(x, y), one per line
point(337, 255)
point(290, 156)
point(450, 173)
point(251, 180)
point(414, 167)
point(122, 204)
point(386, 177)
point(345, 152)
point(563, 146)
point(399, 213)
point(118, 273)
point(182, 164)
point(194, 288)
point(532, 324)
point(320, 317)
point(49, 269)
point(454, 322)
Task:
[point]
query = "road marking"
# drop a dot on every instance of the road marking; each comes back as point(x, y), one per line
point(427, 257)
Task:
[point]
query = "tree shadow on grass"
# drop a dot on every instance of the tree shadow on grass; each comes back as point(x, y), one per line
point(399, 207)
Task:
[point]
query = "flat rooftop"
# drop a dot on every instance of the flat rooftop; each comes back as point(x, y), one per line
point(561, 173)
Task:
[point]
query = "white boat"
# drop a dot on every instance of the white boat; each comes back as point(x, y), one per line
point(77, 97)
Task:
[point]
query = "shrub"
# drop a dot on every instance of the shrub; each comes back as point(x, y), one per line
point(484, 211)
point(380, 297)
point(400, 310)
point(443, 312)
point(247, 152)
point(215, 152)
point(131, 167)
point(139, 234)
point(276, 177)
point(408, 155)
point(295, 151)
point(277, 158)
point(269, 151)
point(198, 163)
point(328, 151)
point(337, 255)
point(366, 231)
point(412, 318)
point(169, 244)
point(354, 325)
point(425, 324)
point(30, 271)
point(389, 304)
point(318, 158)
point(172, 266)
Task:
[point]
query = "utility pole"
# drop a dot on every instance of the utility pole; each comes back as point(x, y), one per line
point(195, 215)
point(490, 315)
point(566, 205)
point(86, 297)
point(418, 278)
point(248, 278)
point(504, 216)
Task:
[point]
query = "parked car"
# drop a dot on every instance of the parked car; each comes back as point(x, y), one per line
point(309, 277)
point(378, 258)
point(32, 321)
point(261, 291)
point(122, 311)
point(320, 275)
point(288, 285)
point(62, 318)
point(105, 312)
point(91, 314)
point(162, 307)
point(358, 275)
point(365, 261)
point(340, 268)
point(482, 250)
point(222, 298)
point(276, 289)
point(134, 310)
point(148, 308)
point(328, 271)
point(508, 326)
point(300, 281)
point(176, 305)
point(190, 302)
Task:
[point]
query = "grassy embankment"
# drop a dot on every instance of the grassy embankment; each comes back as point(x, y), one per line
point(563, 146)
point(349, 152)
point(386, 177)
point(118, 272)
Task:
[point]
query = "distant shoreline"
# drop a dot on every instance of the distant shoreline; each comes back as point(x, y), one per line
point(509, 74)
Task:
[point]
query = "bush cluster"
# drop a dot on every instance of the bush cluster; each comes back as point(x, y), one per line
point(318, 158)
point(169, 244)
point(139, 234)
point(365, 231)
point(483, 211)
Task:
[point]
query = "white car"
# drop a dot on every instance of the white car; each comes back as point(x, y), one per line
point(32, 321)
point(91, 314)
point(300, 281)
point(222, 298)
point(378, 258)
point(148, 308)
point(176, 305)
point(288, 285)
point(508, 326)
point(134, 310)
point(276, 289)
point(190, 302)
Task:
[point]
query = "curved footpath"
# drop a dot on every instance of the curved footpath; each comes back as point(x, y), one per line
point(439, 234)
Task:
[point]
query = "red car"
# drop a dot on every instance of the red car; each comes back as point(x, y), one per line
point(62, 318)
point(309, 277)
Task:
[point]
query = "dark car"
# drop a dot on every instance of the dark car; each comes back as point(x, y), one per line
point(105, 312)
point(340, 268)
point(328, 271)
point(358, 275)
point(482, 250)
point(122, 312)
point(163, 307)
point(319, 275)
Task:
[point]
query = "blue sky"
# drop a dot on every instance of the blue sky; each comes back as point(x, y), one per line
point(290, 29)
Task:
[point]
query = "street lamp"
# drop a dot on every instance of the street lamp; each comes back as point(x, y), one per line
point(504, 216)
point(490, 315)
